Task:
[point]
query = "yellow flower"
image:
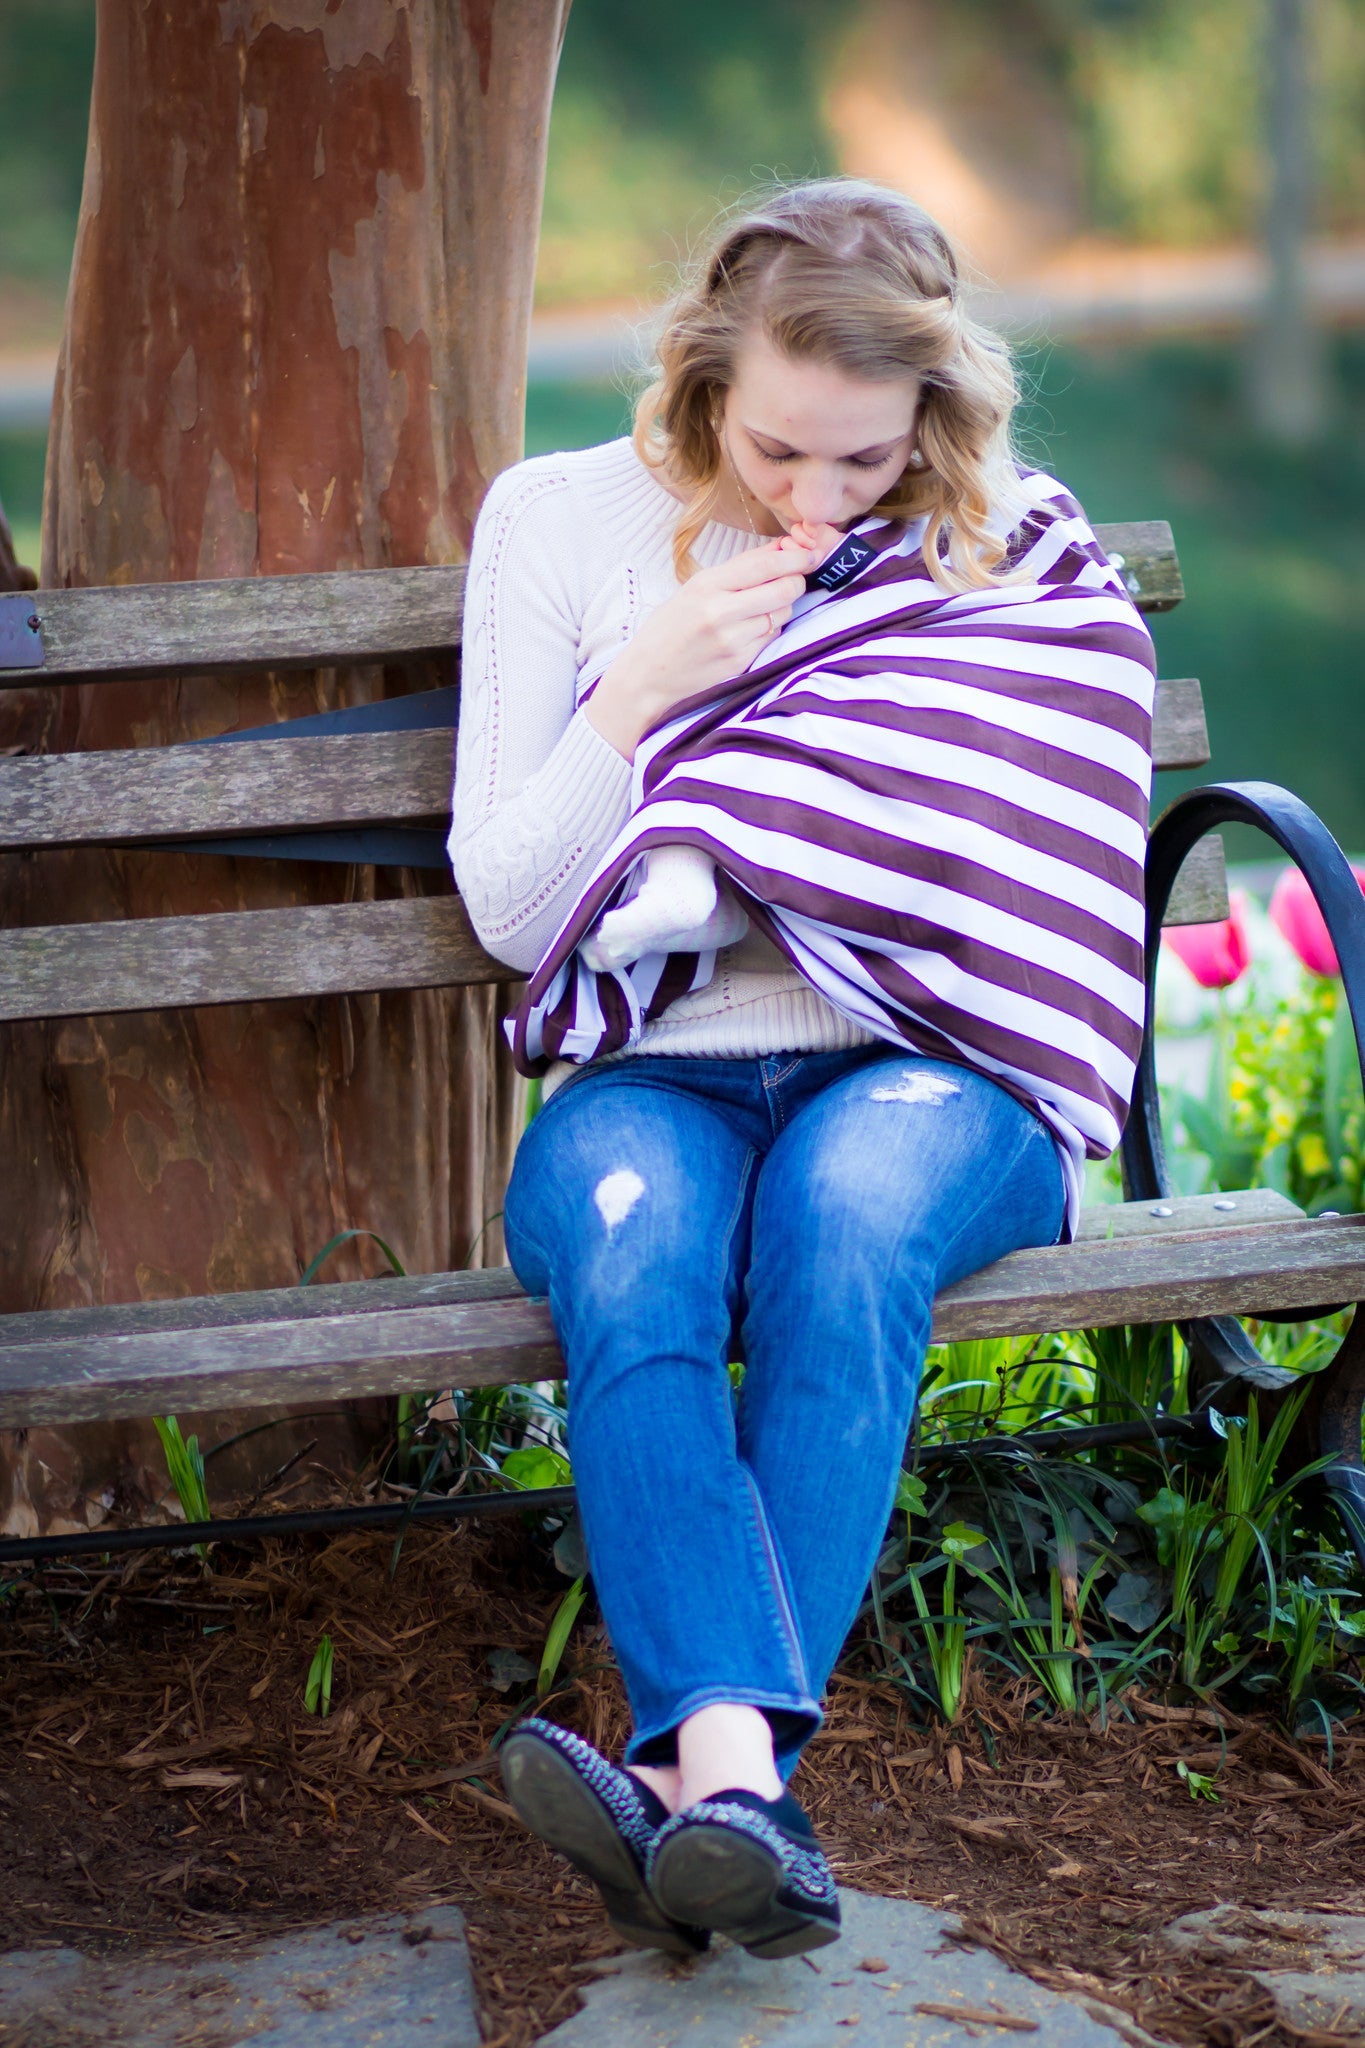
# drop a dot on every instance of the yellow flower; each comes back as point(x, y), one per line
point(1313, 1157)
point(1239, 1088)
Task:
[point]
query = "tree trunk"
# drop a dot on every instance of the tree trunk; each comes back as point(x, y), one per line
point(1288, 381)
point(295, 340)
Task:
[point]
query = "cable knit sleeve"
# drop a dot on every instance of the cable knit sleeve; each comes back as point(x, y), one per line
point(539, 794)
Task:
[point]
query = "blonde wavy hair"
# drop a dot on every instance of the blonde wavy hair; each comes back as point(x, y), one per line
point(848, 273)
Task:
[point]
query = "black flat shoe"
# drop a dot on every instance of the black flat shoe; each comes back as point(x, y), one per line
point(603, 1819)
point(749, 1868)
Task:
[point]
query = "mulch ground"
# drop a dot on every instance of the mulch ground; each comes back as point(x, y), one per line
point(161, 1782)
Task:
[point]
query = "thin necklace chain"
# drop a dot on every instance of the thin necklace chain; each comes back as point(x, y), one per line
point(743, 501)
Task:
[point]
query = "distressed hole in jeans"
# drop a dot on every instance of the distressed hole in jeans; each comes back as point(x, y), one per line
point(935, 1089)
point(616, 1195)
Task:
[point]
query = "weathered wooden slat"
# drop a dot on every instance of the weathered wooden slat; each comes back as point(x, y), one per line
point(496, 1337)
point(1180, 736)
point(149, 629)
point(1200, 895)
point(473, 1344)
point(1102, 1221)
point(1260, 1268)
point(266, 1305)
point(138, 796)
point(306, 950)
point(1143, 551)
point(1177, 1215)
point(353, 615)
point(240, 957)
point(145, 794)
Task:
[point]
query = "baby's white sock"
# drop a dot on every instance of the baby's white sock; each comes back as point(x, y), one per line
point(677, 909)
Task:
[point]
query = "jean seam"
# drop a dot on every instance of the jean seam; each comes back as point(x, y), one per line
point(727, 1242)
point(786, 1620)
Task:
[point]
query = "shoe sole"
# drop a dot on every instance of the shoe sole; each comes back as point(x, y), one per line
point(555, 1804)
point(713, 1877)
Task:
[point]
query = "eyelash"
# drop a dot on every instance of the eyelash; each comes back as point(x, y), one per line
point(852, 459)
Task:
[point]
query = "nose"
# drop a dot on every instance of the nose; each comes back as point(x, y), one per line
point(817, 496)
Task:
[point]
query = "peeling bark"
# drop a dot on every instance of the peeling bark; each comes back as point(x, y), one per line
point(295, 340)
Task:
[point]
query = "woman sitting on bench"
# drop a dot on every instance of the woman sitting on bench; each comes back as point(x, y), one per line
point(803, 767)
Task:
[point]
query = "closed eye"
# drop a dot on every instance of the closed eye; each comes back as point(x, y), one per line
point(854, 461)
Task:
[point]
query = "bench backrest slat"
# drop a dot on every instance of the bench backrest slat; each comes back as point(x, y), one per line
point(155, 963)
point(311, 950)
point(349, 615)
point(142, 795)
point(150, 793)
point(112, 632)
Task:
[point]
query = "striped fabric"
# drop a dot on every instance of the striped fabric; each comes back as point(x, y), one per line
point(936, 808)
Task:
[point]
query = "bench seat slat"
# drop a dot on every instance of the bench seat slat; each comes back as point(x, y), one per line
point(348, 615)
point(486, 1332)
point(240, 957)
point(1100, 1221)
point(141, 795)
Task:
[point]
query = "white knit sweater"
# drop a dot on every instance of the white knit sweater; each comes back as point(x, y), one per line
point(571, 553)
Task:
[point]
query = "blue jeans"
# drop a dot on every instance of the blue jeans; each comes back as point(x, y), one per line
point(800, 1212)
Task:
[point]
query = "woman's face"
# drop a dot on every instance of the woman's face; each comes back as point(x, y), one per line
point(812, 443)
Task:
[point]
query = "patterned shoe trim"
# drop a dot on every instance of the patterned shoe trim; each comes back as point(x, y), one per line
point(732, 1864)
point(805, 1871)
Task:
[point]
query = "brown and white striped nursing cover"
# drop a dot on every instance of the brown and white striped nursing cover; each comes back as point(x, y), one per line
point(936, 808)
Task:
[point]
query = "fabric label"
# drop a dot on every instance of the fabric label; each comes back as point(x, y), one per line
point(842, 567)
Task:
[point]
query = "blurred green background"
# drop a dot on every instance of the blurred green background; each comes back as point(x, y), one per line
point(1126, 125)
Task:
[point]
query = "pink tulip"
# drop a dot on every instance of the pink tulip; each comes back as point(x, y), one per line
point(1295, 915)
point(1216, 954)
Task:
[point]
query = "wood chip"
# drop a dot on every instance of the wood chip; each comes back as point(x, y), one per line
point(976, 2016)
point(199, 1781)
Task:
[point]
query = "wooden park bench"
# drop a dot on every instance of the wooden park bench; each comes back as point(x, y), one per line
point(373, 784)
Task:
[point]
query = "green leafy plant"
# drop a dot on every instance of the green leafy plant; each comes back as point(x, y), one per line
point(1197, 1783)
point(557, 1637)
point(535, 1466)
point(185, 1464)
point(1282, 1106)
point(945, 1634)
point(317, 1690)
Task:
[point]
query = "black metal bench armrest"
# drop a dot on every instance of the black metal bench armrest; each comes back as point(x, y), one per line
point(1220, 1349)
point(1309, 844)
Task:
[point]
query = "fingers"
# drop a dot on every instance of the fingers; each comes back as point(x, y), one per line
point(778, 592)
point(768, 564)
point(820, 540)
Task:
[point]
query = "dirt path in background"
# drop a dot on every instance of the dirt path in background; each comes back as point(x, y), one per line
point(161, 1782)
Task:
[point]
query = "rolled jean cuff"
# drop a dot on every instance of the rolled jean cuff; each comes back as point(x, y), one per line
point(793, 1718)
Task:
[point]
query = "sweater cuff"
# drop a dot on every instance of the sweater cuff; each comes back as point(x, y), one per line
point(587, 782)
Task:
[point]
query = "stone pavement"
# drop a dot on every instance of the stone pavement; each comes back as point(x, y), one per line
point(1311, 1963)
point(893, 1981)
point(395, 1982)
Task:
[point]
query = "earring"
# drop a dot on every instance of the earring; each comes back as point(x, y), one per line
point(917, 460)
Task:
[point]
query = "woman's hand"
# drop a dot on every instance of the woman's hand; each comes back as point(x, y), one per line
point(708, 631)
